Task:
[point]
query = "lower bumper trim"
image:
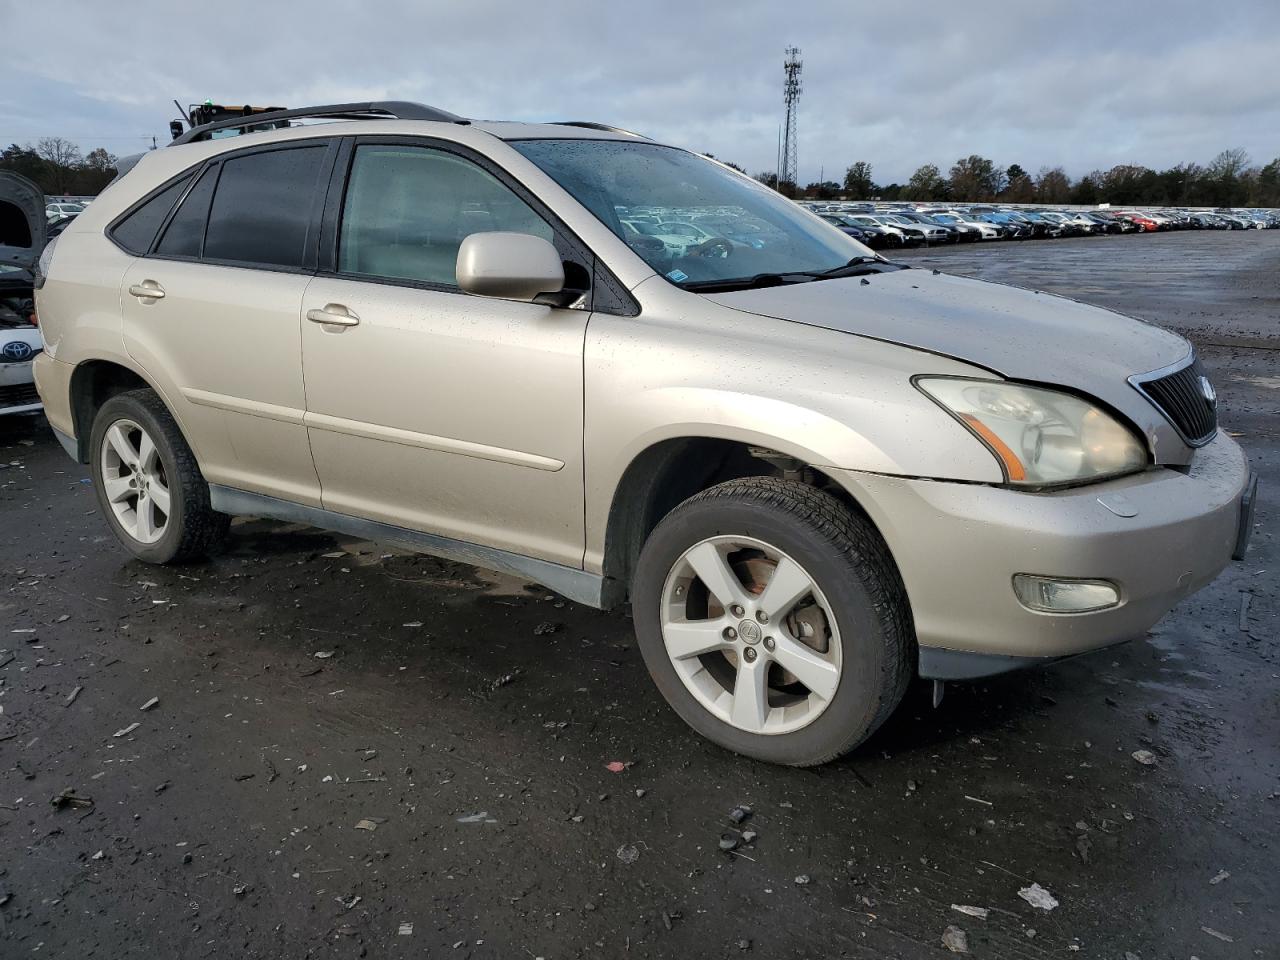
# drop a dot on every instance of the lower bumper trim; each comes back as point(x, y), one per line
point(939, 663)
point(1248, 501)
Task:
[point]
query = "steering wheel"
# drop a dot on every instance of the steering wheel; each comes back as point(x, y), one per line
point(717, 247)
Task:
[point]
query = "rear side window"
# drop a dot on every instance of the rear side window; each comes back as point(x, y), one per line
point(185, 232)
point(136, 231)
point(262, 207)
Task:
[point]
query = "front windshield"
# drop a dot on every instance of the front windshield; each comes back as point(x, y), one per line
point(744, 228)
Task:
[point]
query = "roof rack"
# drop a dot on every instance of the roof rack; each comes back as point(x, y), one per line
point(389, 109)
point(592, 125)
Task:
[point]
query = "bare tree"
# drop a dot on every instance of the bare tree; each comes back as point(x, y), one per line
point(1053, 185)
point(62, 157)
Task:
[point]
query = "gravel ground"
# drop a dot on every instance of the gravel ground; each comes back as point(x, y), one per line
point(358, 752)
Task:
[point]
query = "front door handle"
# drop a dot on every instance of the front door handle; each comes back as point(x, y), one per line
point(334, 314)
point(148, 291)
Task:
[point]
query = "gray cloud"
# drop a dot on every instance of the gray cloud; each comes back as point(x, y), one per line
point(1086, 84)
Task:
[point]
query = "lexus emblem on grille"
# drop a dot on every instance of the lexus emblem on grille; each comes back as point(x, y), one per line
point(1207, 391)
point(15, 351)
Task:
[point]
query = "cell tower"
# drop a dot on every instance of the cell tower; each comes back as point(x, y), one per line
point(787, 169)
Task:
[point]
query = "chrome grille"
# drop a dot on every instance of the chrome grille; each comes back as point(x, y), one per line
point(1186, 399)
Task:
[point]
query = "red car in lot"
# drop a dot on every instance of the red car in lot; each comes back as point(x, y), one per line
point(1146, 223)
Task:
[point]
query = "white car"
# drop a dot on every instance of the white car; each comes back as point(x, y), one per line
point(986, 231)
point(20, 205)
point(54, 210)
point(19, 344)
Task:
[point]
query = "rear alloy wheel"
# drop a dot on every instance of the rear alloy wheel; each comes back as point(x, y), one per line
point(148, 483)
point(135, 482)
point(773, 620)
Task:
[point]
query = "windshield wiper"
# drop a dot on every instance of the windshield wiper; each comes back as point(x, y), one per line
point(750, 283)
point(856, 266)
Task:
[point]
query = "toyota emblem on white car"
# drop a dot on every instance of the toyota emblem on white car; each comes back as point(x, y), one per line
point(15, 351)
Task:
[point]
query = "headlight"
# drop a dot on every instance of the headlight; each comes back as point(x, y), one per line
point(1040, 437)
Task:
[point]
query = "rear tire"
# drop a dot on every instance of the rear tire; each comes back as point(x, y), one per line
point(835, 663)
point(148, 484)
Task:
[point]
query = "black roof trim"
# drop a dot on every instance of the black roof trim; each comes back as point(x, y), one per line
point(592, 125)
point(389, 109)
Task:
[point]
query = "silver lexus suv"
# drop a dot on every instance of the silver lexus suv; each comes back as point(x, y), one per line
point(628, 373)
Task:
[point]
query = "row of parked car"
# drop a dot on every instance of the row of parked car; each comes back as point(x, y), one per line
point(908, 225)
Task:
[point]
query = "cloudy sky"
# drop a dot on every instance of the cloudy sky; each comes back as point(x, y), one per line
point(1083, 84)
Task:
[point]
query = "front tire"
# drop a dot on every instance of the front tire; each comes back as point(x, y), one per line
point(773, 620)
point(148, 484)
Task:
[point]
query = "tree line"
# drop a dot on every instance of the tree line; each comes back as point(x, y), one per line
point(58, 168)
point(1228, 180)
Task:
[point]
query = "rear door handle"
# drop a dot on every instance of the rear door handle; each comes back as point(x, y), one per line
point(334, 314)
point(147, 290)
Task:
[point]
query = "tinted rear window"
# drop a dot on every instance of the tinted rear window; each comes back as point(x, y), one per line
point(262, 207)
point(136, 231)
point(186, 230)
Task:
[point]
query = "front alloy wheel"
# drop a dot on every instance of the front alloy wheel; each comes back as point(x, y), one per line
point(749, 633)
point(773, 619)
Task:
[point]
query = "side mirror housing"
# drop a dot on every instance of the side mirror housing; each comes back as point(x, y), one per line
point(512, 266)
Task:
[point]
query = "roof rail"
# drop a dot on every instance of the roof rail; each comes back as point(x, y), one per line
point(592, 125)
point(390, 109)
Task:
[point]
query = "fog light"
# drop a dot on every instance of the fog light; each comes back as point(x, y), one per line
point(1049, 595)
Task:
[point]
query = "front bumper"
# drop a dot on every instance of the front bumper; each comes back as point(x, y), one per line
point(958, 547)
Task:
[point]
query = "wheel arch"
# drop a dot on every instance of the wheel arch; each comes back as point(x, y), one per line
point(669, 471)
point(93, 383)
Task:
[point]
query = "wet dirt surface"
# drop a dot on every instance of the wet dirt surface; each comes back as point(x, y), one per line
point(436, 784)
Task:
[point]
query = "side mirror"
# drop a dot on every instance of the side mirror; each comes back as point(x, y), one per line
point(513, 266)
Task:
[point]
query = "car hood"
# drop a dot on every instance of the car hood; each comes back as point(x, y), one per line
point(20, 200)
point(1017, 333)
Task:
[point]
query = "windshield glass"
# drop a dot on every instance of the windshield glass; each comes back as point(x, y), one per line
point(744, 229)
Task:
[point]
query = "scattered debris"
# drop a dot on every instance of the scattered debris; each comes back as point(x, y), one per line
point(272, 773)
point(1038, 896)
point(1083, 846)
point(740, 813)
point(1145, 757)
point(640, 792)
point(979, 912)
point(628, 853)
point(979, 800)
point(69, 798)
point(499, 682)
point(955, 940)
point(240, 889)
point(126, 731)
point(242, 777)
point(1245, 598)
point(728, 842)
point(406, 929)
point(100, 855)
point(482, 817)
point(369, 823)
point(545, 628)
point(336, 555)
point(150, 703)
point(617, 766)
point(412, 623)
point(802, 880)
point(749, 836)
point(350, 902)
point(323, 654)
point(71, 697)
point(1218, 934)
point(161, 788)
point(1219, 877)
